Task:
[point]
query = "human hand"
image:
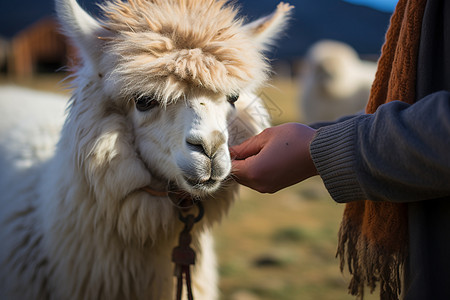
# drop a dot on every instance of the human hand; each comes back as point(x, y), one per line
point(274, 159)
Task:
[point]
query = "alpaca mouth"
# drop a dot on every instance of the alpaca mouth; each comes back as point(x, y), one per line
point(185, 194)
point(199, 184)
point(199, 187)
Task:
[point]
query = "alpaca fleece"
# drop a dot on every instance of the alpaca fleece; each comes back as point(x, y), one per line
point(75, 220)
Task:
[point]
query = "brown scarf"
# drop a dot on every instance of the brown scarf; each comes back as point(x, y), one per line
point(373, 237)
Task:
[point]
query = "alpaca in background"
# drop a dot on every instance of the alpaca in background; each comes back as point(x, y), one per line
point(163, 88)
point(335, 82)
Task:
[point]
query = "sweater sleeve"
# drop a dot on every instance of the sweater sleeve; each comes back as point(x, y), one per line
point(401, 153)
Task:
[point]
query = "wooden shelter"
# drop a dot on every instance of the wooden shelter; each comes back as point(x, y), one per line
point(39, 48)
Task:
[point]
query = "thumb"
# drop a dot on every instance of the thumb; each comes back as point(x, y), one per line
point(248, 148)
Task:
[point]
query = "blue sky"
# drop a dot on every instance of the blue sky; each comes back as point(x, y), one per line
point(383, 5)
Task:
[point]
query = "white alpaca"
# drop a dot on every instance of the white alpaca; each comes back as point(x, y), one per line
point(335, 82)
point(153, 107)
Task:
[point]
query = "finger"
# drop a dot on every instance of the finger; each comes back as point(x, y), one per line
point(248, 148)
point(244, 173)
point(245, 167)
point(239, 171)
point(237, 167)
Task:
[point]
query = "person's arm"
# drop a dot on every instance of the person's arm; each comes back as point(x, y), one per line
point(401, 153)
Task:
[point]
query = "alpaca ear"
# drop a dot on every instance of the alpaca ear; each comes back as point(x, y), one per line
point(82, 29)
point(265, 29)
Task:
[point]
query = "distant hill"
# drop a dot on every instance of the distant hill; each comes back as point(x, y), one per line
point(361, 27)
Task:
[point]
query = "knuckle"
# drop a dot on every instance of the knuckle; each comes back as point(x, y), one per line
point(265, 190)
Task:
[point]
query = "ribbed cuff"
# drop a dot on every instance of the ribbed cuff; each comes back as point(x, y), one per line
point(333, 153)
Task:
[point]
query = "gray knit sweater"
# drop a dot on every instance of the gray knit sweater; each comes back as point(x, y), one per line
point(401, 153)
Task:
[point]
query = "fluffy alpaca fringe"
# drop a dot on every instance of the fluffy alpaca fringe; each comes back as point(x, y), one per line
point(166, 47)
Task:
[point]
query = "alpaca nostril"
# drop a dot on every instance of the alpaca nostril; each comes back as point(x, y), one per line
point(208, 146)
point(197, 147)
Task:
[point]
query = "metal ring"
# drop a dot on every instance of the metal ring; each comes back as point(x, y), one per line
point(201, 213)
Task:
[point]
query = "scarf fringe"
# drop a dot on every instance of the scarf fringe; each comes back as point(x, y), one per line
point(369, 263)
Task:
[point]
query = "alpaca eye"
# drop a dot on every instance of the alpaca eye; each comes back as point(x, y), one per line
point(144, 103)
point(232, 99)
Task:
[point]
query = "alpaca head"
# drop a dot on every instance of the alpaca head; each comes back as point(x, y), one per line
point(335, 67)
point(162, 80)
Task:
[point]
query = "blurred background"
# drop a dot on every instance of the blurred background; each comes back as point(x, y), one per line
point(279, 246)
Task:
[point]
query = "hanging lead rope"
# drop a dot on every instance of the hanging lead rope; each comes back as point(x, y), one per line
point(183, 255)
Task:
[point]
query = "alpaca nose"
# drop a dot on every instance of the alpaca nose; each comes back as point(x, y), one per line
point(207, 145)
